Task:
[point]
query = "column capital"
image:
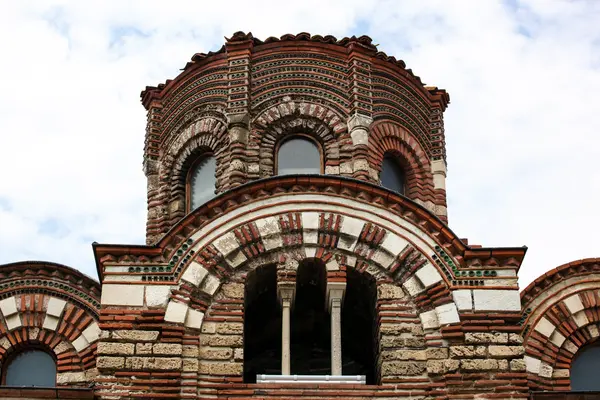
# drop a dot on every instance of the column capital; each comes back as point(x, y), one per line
point(335, 294)
point(286, 292)
point(358, 121)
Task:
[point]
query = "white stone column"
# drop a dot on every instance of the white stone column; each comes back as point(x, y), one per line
point(286, 295)
point(335, 295)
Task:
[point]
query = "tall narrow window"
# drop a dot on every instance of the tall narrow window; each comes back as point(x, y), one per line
point(584, 369)
point(201, 182)
point(392, 174)
point(298, 155)
point(33, 368)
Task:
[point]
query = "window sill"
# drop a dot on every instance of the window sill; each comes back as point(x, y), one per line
point(312, 379)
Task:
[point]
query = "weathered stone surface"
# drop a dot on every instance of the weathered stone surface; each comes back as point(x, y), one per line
point(189, 351)
point(484, 337)
point(438, 367)
point(209, 327)
point(221, 341)
point(506, 351)
point(403, 354)
point(167, 348)
point(166, 363)
point(143, 348)
point(403, 368)
point(389, 292)
point(190, 365)
point(228, 328)
point(233, 290)
point(517, 365)
point(215, 353)
point(437, 353)
point(221, 368)
point(110, 362)
point(467, 351)
point(514, 338)
point(496, 300)
point(396, 329)
point(116, 348)
point(135, 335)
point(238, 355)
point(388, 341)
point(65, 378)
point(134, 363)
point(479, 365)
point(503, 365)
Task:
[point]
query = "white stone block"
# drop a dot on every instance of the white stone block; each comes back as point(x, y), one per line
point(122, 295)
point(80, 343)
point(383, 258)
point(92, 332)
point(438, 166)
point(310, 221)
point(158, 295)
point(447, 314)
point(272, 242)
point(310, 237)
point(593, 330)
point(496, 300)
point(351, 227)
point(463, 299)
point(532, 364)
point(268, 226)
point(574, 303)
point(55, 306)
point(226, 244)
point(310, 252)
point(351, 261)
point(8, 306)
point(580, 319)
point(14, 321)
point(546, 370)
point(194, 319)
point(428, 275)
point(429, 320)
point(439, 181)
point(50, 322)
point(570, 346)
point(413, 286)
point(194, 273)
point(544, 327)
point(176, 312)
point(332, 265)
point(211, 284)
point(557, 338)
point(393, 243)
point(236, 259)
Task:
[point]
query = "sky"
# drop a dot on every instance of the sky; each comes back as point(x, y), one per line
point(522, 129)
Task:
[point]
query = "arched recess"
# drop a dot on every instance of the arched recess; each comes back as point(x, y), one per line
point(387, 138)
point(561, 317)
point(289, 118)
point(206, 136)
point(55, 308)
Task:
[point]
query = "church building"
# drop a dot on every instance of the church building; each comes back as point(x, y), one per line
point(298, 246)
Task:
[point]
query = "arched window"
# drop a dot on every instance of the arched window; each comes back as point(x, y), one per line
point(392, 174)
point(584, 369)
point(31, 368)
point(299, 155)
point(201, 181)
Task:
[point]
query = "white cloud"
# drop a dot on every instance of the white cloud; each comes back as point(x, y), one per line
point(522, 130)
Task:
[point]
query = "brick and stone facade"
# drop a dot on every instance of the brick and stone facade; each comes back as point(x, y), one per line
point(171, 318)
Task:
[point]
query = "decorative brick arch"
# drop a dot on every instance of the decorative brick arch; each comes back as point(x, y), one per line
point(387, 137)
point(206, 135)
point(290, 117)
point(561, 315)
point(55, 308)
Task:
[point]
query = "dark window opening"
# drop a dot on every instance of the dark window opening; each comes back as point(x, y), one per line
point(359, 354)
point(310, 323)
point(201, 181)
point(584, 369)
point(31, 368)
point(392, 174)
point(298, 155)
point(262, 324)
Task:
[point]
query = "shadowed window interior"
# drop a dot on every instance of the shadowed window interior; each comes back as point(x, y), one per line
point(584, 369)
point(31, 368)
point(359, 354)
point(298, 155)
point(262, 324)
point(392, 174)
point(202, 181)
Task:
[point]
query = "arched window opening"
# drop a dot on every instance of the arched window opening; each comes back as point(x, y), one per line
point(262, 324)
point(359, 346)
point(299, 155)
point(392, 174)
point(310, 323)
point(584, 369)
point(201, 181)
point(31, 368)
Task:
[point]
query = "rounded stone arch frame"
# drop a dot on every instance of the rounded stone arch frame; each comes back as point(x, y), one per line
point(277, 122)
point(207, 135)
point(387, 137)
point(559, 320)
point(384, 247)
point(39, 312)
